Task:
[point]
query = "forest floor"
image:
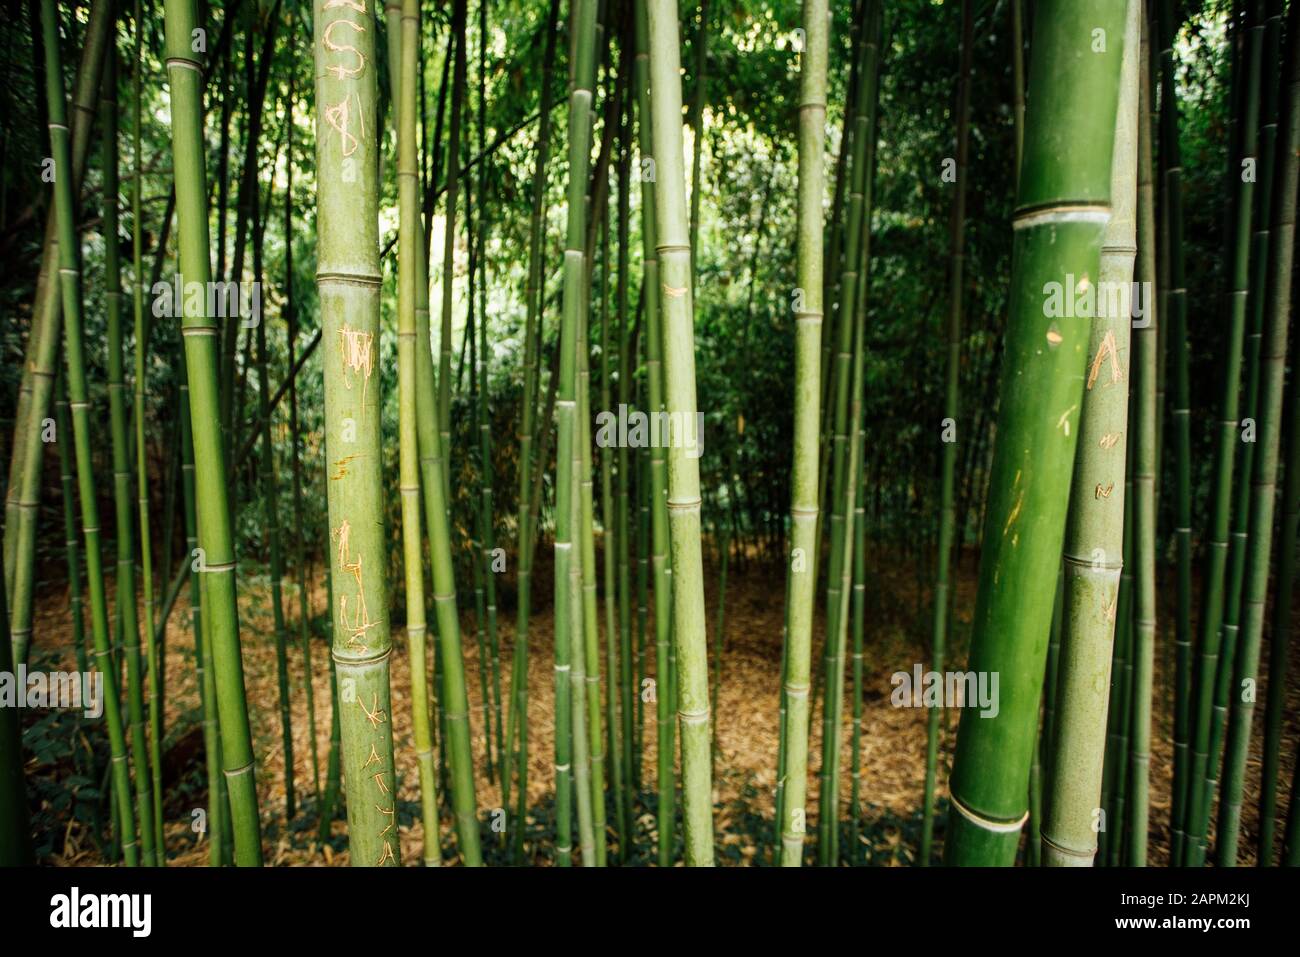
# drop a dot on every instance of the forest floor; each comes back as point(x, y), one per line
point(893, 739)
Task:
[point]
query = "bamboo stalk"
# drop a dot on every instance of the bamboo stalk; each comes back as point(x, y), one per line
point(1204, 755)
point(951, 412)
point(1278, 292)
point(348, 281)
point(689, 638)
point(1062, 210)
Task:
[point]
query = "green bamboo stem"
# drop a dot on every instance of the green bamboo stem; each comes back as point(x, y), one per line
point(611, 544)
point(1242, 490)
point(625, 363)
point(67, 481)
point(218, 828)
point(839, 569)
point(34, 393)
point(1171, 170)
point(271, 518)
point(517, 715)
point(449, 231)
point(590, 617)
point(333, 769)
point(449, 666)
point(70, 293)
point(689, 638)
point(700, 49)
point(951, 412)
point(572, 762)
point(1062, 211)
point(127, 609)
point(1282, 604)
point(858, 626)
point(801, 584)
point(1203, 769)
point(348, 281)
point(1144, 410)
point(1281, 255)
point(1094, 536)
point(1117, 764)
point(154, 657)
point(410, 251)
point(295, 438)
point(660, 561)
point(215, 539)
point(828, 809)
point(487, 534)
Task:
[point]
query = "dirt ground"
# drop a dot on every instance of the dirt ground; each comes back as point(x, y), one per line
point(892, 752)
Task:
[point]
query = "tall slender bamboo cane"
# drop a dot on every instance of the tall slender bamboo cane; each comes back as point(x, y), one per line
point(127, 609)
point(1144, 409)
point(348, 281)
point(1281, 256)
point(295, 439)
point(214, 522)
point(689, 638)
point(70, 292)
point(218, 823)
point(951, 411)
point(154, 659)
point(487, 534)
point(1282, 605)
point(570, 716)
point(832, 724)
point(1226, 441)
point(516, 722)
point(610, 549)
point(410, 252)
point(1242, 490)
point(1062, 211)
point(839, 569)
point(623, 528)
point(801, 585)
point(23, 491)
point(858, 626)
point(698, 100)
point(270, 513)
point(1171, 167)
point(449, 229)
point(660, 561)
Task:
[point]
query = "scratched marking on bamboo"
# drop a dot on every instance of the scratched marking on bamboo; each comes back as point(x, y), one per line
point(356, 348)
point(374, 714)
point(339, 116)
point(360, 622)
point(1108, 348)
point(340, 71)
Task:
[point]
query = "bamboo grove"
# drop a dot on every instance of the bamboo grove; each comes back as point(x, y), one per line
point(623, 432)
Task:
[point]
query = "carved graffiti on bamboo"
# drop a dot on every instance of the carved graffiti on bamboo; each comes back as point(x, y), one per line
point(374, 714)
point(339, 116)
point(356, 348)
point(359, 622)
point(340, 71)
